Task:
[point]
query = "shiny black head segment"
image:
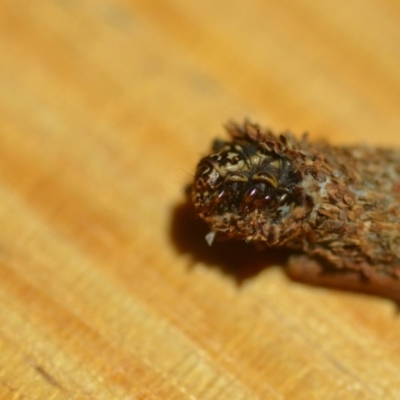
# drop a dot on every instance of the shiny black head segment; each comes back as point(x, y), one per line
point(240, 177)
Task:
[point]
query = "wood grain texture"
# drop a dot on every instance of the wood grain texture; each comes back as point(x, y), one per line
point(107, 289)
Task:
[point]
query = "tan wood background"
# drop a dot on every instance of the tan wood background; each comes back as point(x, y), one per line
point(107, 288)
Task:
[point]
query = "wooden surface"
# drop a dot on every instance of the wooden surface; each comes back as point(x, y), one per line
point(107, 289)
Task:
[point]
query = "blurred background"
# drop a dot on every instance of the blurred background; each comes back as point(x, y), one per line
point(107, 287)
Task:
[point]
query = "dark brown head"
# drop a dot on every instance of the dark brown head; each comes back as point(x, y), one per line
point(239, 178)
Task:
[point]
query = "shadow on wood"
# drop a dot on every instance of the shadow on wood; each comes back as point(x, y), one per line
point(235, 258)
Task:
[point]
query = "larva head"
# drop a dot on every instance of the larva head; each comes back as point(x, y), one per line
point(241, 180)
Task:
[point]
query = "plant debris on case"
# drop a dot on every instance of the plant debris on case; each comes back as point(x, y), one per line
point(339, 206)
